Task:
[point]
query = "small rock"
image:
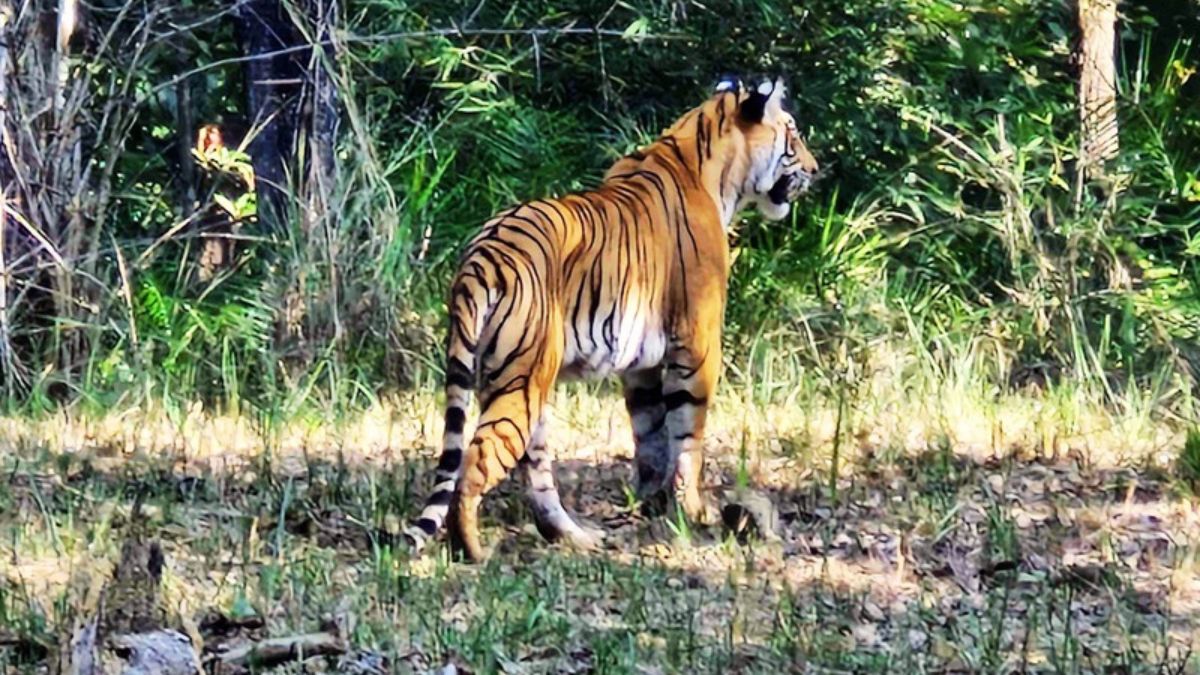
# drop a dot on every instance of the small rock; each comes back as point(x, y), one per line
point(748, 513)
point(161, 652)
point(872, 611)
point(996, 482)
point(865, 635)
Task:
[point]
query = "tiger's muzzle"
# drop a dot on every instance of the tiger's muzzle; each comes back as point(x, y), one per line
point(790, 186)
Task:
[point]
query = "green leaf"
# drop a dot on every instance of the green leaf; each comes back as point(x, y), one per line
point(638, 29)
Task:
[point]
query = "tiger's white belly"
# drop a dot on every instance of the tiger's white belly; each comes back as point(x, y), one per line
point(607, 346)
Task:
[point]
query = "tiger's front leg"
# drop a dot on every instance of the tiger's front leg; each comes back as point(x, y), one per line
point(690, 381)
point(648, 417)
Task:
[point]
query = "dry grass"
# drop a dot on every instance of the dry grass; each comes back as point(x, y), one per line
point(999, 536)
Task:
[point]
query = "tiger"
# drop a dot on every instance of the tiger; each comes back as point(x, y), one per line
point(630, 279)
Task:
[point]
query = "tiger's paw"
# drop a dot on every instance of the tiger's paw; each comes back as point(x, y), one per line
point(573, 535)
point(584, 538)
point(413, 539)
point(652, 481)
point(469, 552)
point(696, 508)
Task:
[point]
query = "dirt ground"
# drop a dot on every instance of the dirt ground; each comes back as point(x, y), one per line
point(1002, 539)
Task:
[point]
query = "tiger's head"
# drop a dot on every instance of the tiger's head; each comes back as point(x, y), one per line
point(777, 166)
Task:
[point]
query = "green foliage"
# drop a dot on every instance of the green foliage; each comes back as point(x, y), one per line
point(949, 211)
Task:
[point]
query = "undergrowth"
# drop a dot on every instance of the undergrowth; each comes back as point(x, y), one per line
point(948, 239)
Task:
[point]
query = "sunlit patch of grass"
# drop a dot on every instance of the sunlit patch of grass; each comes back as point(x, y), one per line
point(944, 549)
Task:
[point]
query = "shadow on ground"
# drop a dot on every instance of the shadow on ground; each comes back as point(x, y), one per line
point(933, 562)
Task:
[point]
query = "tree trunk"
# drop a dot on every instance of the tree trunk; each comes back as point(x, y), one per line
point(273, 79)
point(322, 134)
point(324, 102)
point(185, 138)
point(1097, 84)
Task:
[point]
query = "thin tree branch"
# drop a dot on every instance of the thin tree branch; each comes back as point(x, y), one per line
point(532, 33)
point(211, 18)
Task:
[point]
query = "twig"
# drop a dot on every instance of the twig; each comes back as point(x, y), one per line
point(471, 18)
point(211, 18)
point(526, 32)
point(14, 370)
point(280, 650)
point(126, 290)
point(39, 236)
point(141, 259)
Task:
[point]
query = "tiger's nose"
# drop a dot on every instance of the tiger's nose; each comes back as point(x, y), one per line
point(809, 164)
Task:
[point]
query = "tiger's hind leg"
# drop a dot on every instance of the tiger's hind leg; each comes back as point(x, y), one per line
point(511, 401)
point(553, 521)
point(499, 443)
point(647, 416)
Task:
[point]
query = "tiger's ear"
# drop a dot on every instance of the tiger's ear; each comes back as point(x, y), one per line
point(728, 83)
point(764, 102)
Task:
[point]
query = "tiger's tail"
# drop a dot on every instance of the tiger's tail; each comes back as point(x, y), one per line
point(468, 310)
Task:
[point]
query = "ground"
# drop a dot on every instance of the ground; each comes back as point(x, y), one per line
point(950, 537)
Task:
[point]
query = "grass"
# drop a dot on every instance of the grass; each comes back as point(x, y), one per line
point(950, 545)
